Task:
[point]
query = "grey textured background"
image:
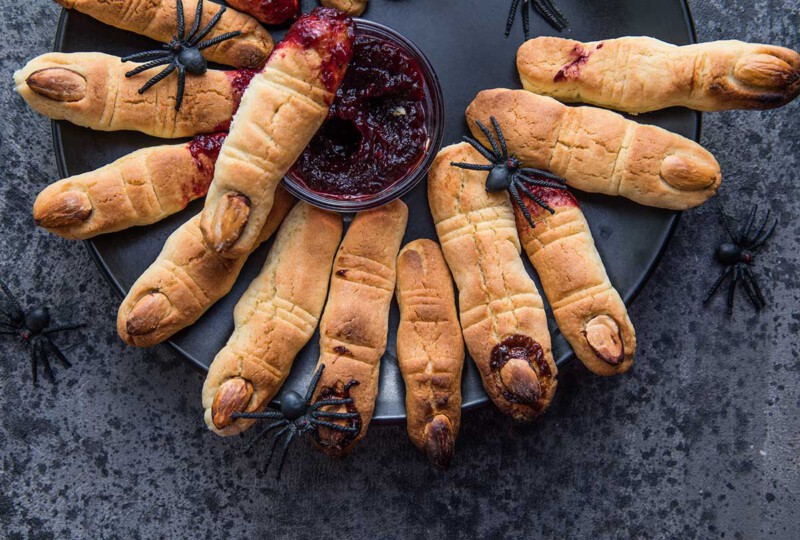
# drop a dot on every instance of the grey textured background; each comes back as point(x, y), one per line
point(700, 440)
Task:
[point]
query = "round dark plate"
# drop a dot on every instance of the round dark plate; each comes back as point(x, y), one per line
point(464, 41)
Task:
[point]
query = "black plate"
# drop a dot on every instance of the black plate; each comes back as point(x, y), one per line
point(464, 41)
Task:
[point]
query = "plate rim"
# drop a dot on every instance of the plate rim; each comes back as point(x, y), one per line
point(200, 368)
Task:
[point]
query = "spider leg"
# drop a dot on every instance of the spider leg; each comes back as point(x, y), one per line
point(758, 242)
point(148, 65)
point(762, 227)
point(327, 402)
point(500, 137)
point(335, 427)
point(745, 232)
point(49, 346)
point(264, 432)
point(489, 137)
point(158, 78)
point(551, 14)
point(285, 450)
point(472, 166)
point(732, 292)
point(541, 183)
point(529, 193)
point(725, 273)
point(17, 310)
point(181, 87)
point(336, 415)
point(181, 21)
point(725, 223)
point(544, 174)
point(63, 328)
point(526, 19)
point(751, 279)
point(7, 332)
point(218, 39)
point(34, 358)
point(515, 196)
point(557, 12)
point(512, 14)
point(48, 369)
point(314, 383)
point(274, 445)
point(264, 415)
point(481, 149)
point(751, 295)
point(211, 24)
point(148, 55)
point(198, 15)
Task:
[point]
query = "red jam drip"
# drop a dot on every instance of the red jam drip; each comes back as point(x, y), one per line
point(329, 32)
point(207, 146)
point(555, 199)
point(375, 132)
point(275, 11)
point(572, 69)
point(240, 80)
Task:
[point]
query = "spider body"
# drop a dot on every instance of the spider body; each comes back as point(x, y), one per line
point(183, 53)
point(298, 416)
point(32, 329)
point(545, 8)
point(738, 255)
point(506, 172)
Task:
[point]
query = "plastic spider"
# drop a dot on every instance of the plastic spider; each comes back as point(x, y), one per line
point(182, 53)
point(737, 256)
point(545, 8)
point(299, 416)
point(505, 172)
point(33, 329)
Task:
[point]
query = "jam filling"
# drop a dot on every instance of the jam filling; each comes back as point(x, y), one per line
point(522, 348)
point(375, 131)
point(572, 70)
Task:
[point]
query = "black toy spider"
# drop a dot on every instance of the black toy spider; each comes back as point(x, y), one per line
point(738, 254)
point(505, 172)
point(182, 53)
point(299, 416)
point(33, 330)
point(545, 8)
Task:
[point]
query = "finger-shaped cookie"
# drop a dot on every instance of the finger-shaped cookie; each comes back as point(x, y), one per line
point(640, 74)
point(138, 189)
point(588, 309)
point(281, 110)
point(354, 326)
point(600, 151)
point(269, 11)
point(354, 8)
point(184, 281)
point(502, 314)
point(273, 320)
point(91, 90)
point(430, 350)
point(158, 19)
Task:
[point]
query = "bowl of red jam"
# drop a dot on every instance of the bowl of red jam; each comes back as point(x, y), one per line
point(383, 129)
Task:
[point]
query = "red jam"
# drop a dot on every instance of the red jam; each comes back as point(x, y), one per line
point(579, 57)
point(269, 11)
point(208, 147)
point(375, 132)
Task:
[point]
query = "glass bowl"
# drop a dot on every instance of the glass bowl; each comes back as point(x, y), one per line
point(434, 123)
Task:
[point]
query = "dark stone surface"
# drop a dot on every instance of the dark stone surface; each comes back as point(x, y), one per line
point(700, 440)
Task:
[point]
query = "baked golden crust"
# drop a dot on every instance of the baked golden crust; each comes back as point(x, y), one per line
point(90, 90)
point(184, 281)
point(275, 317)
point(430, 350)
point(600, 151)
point(574, 279)
point(640, 74)
point(354, 8)
point(281, 110)
point(138, 189)
point(354, 326)
point(500, 308)
point(158, 19)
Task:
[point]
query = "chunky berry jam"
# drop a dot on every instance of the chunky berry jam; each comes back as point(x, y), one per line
point(375, 132)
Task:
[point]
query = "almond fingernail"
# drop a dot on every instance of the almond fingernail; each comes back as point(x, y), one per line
point(604, 337)
point(147, 314)
point(230, 219)
point(765, 71)
point(439, 442)
point(233, 396)
point(690, 174)
point(521, 380)
point(62, 210)
point(59, 84)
